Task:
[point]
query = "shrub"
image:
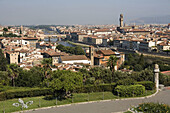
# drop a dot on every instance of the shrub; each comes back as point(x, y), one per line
point(164, 79)
point(95, 88)
point(151, 108)
point(125, 82)
point(49, 97)
point(129, 91)
point(33, 92)
point(149, 85)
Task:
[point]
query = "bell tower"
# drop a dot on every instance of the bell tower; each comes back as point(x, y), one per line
point(91, 54)
point(121, 20)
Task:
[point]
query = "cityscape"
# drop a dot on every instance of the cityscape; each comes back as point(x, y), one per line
point(94, 66)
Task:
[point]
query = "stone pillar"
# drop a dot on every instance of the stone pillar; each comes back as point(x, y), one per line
point(156, 71)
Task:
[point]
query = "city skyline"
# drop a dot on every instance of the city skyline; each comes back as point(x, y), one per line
point(22, 12)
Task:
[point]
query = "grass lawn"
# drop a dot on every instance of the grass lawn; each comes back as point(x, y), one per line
point(41, 102)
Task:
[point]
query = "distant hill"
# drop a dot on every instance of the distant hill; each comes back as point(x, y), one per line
point(152, 20)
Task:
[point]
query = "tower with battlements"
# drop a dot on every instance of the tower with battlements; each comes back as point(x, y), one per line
point(121, 20)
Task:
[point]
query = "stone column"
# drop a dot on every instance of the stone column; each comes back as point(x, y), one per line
point(156, 71)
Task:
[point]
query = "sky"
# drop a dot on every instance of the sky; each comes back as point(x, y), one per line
point(69, 12)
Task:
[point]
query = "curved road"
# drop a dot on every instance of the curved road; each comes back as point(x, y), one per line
point(108, 106)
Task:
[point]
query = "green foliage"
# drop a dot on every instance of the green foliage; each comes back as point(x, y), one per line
point(5, 29)
point(95, 88)
point(64, 81)
point(47, 61)
point(72, 50)
point(164, 79)
point(139, 62)
point(31, 78)
point(112, 62)
point(4, 79)
point(3, 61)
point(151, 108)
point(125, 82)
point(129, 91)
point(25, 92)
point(13, 72)
point(144, 75)
point(138, 67)
point(97, 76)
point(149, 85)
point(10, 35)
point(119, 76)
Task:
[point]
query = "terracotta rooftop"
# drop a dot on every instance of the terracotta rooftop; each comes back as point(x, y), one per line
point(53, 53)
point(139, 30)
point(107, 52)
point(163, 44)
point(103, 30)
point(74, 57)
point(26, 38)
point(166, 72)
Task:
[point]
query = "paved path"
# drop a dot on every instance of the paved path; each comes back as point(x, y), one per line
point(109, 106)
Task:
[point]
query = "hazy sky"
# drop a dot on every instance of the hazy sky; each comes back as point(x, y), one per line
point(16, 12)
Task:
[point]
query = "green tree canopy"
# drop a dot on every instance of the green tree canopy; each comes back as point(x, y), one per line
point(4, 79)
point(112, 62)
point(65, 81)
point(13, 72)
point(5, 29)
point(3, 61)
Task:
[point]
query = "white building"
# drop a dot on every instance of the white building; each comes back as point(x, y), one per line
point(146, 46)
point(75, 59)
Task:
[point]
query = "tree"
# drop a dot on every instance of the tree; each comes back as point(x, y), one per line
point(60, 47)
point(79, 51)
point(65, 81)
point(13, 72)
point(47, 62)
point(141, 61)
point(31, 78)
point(3, 61)
point(144, 75)
point(138, 67)
point(4, 79)
point(112, 62)
point(5, 29)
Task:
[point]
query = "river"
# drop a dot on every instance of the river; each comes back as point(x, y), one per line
point(64, 43)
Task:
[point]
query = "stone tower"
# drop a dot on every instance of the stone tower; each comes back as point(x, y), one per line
point(156, 71)
point(91, 54)
point(121, 20)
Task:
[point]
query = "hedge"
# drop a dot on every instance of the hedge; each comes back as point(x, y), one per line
point(149, 85)
point(10, 94)
point(151, 108)
point(129, 91)
point(95, 88)
point(125, 82)
point(33, 92)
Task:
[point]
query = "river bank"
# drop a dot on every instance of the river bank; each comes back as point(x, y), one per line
point(77, 44)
